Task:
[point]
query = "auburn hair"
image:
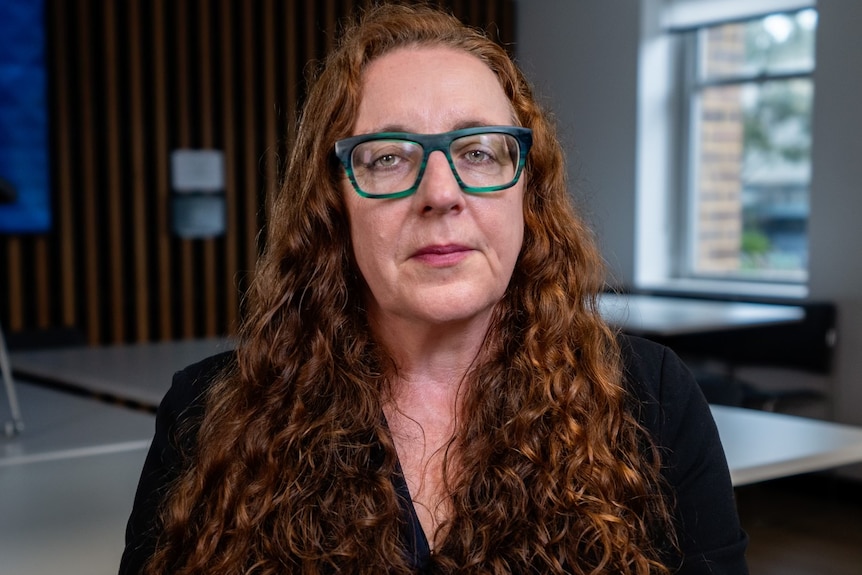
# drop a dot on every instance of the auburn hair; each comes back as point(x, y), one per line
point(293, 463)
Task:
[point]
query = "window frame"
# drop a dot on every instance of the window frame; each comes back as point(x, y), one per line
point(689, 85)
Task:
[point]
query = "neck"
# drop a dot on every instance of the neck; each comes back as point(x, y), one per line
point(430, 358)
point(422, 410)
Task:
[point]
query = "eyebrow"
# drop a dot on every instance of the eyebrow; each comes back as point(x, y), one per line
point(459, 126)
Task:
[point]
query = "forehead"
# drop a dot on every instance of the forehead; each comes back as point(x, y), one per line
point(430, 89)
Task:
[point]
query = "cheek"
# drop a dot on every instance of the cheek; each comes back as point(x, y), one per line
point(357, 226)
point(514, 222)
point(360, 239)
point(368, 236)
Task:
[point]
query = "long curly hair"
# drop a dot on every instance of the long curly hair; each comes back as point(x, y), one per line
point(293, 465)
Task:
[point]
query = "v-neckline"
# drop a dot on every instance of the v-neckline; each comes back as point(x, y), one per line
point(415, 539)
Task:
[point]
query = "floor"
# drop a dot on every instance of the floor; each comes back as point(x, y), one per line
point(806, 525)
point(67, 482)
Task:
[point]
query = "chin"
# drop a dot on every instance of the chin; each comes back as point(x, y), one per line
point(461, 313)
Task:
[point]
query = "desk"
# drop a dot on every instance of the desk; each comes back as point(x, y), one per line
point(135, 372)
point(761, 445)
point(61, 425)
point(662, 316)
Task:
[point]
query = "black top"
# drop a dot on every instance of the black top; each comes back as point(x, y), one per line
point(672, 408)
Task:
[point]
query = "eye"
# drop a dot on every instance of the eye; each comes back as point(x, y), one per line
point(385, 155)
point(478, 156)
point(483, 151)
point(385, 161)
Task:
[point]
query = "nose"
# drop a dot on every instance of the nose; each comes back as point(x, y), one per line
point(439, 191)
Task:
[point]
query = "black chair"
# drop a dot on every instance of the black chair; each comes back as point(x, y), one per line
point(807, 345)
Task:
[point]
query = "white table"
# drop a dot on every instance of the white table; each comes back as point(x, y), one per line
point(761, 445)
point(61, 425)
point(135, 372)
point(641, 314)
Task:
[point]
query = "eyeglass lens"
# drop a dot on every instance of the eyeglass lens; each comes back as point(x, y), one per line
point(479, 160)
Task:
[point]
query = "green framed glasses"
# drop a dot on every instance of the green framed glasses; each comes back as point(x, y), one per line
point(391, 164)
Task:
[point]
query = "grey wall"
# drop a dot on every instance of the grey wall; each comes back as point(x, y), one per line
point(836, 191)
point(583, 56)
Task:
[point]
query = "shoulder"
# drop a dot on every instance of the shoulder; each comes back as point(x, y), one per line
point(664, 392)
point(202, 372)
point(190, 384)
point(670, 404)
point(652, 371)
point(641, 355)
point(182, 407)
point(177, 420)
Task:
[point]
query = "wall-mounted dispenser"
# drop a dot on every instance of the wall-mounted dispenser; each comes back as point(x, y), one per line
point(197, 198)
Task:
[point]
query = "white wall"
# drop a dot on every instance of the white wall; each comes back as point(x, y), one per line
point(583, 56)
point(835, 232)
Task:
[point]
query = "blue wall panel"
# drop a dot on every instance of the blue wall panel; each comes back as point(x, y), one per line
point(24, 116)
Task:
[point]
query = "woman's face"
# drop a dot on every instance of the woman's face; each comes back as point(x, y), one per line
point(439, 255)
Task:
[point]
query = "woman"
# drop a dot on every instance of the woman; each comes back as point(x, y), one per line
point(423, 382)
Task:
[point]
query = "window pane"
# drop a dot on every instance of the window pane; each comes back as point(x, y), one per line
point(752, 176)
point(779, 43)
point(776, 171)
point(750, 137)
point(717, 202)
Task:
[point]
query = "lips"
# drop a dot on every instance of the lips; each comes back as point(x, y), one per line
point(442, 255)
point(440, 250)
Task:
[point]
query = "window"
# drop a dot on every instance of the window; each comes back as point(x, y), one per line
point(748, 92)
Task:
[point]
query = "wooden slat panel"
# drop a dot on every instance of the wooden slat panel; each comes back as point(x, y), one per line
point(506, 19)
point(42, 282)
point(63, 171)
point(138, 128)
point(161, 154)
point(474, 10)
point(329, 21)
point(248, 187)
point(15, 284)
point(89, 182)
point(204, 63)
point(229, 134)
point(183, 106)
point(310, 29)
point(270, 101)
point(114, 190)
point(292, 67)
point(498, 25)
